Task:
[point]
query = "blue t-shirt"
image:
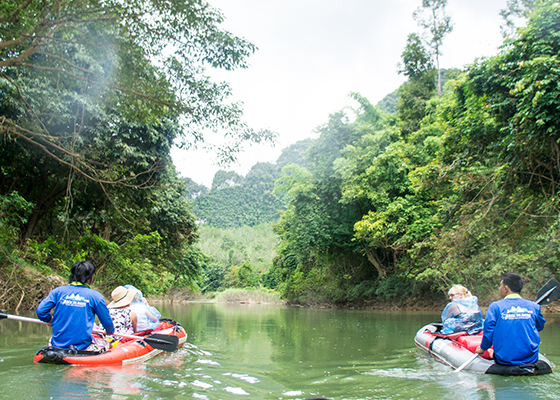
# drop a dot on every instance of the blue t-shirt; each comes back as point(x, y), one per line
point(75, 308)
point(512, 326)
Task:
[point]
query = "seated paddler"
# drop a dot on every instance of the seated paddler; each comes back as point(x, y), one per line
point(75, 307)
point(512, 326)
point(462, 313)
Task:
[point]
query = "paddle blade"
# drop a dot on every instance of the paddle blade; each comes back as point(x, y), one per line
point(162, 342)
point(549, 292)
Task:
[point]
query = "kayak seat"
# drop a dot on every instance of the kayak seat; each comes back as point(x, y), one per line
point(472, 342)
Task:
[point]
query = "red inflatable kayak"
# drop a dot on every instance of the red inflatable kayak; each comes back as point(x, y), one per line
point(456, 348)
point(167, 336)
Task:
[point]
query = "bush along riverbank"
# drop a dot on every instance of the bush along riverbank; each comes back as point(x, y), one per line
point(24, 291)
point(232, 295)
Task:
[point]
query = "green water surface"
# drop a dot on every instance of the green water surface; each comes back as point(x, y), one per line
point(246, 351)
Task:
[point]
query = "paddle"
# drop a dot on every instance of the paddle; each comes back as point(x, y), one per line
point(546, 295)
point(156, 340)
point(549, 292)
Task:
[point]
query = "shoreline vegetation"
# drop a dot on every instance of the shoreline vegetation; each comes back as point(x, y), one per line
point(29, 289)
point(264, 296)
point(37, 289)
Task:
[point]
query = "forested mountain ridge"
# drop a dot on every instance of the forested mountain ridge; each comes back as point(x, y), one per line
point(234, 201)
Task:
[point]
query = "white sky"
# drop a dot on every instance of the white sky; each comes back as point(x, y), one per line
point(313, 53)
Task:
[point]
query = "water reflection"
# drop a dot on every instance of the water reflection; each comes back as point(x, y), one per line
point(95, 382)
point(271, 352)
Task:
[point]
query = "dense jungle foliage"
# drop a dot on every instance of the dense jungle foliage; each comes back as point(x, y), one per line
point(236, 217)
point(395, 201)
point(237, 257)
point(93, 95)
point(456, 188)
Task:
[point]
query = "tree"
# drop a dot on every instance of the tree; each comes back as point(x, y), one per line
point(496, 176)
point(414, 94)
point(295, 154)
point(93, 95)
point(417, 62)
point(437, 24)
point(100, 91)
point(317, 252)
point(516, 11)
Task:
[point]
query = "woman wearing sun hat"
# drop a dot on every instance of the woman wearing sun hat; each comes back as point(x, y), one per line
point(124, 319)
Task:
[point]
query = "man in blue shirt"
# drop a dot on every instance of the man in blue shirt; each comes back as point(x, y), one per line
point(75, 307)
point(512, 325)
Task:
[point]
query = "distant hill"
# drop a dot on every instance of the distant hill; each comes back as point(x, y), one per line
point(389, 103)
point(234, 201)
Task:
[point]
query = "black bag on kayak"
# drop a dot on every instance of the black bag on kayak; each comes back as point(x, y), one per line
point(538, 368)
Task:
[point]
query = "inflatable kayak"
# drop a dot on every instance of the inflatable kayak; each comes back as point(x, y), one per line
point(455, 349)
point(167, 336)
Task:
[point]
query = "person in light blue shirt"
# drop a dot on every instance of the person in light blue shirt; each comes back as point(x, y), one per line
point(462, 314)
point(147, 315)
point(75, 307)
point(512, 325)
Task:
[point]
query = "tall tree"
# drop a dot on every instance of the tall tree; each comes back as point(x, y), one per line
point(100, 91)
point(437, 24)
point(516, 11)
point(417, 65)
point(416, 60)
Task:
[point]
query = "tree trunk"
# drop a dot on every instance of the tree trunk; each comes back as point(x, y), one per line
point(372, 258)
point(439, 90)
point(107, 232)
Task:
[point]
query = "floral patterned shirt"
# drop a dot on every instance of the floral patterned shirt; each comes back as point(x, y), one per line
point(121, 320)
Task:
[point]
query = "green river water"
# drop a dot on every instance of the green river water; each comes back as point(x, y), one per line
point(271, 352)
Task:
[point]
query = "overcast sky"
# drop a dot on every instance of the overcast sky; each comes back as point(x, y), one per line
point(313, 53)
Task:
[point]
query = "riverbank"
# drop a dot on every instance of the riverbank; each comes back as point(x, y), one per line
point(26, 291)
point(435, 306)
point(242, 296)
point(246, 296)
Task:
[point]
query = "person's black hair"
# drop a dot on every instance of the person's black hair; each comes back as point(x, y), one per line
point(513, 281)
point(82, 271)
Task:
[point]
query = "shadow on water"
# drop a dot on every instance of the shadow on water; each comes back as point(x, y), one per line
point(270, 352)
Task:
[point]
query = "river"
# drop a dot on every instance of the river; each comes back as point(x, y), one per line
point(247, 351)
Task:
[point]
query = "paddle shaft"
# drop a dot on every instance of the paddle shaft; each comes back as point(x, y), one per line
point(466, 363)
point(24, 319)
point(38, 321)
point(119, 334)
point(156, 340)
